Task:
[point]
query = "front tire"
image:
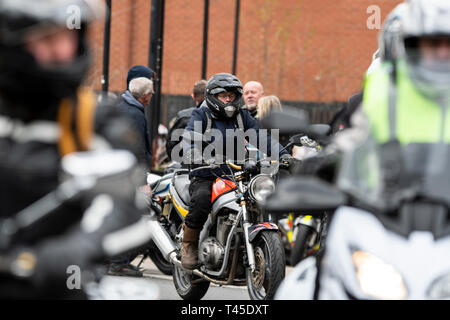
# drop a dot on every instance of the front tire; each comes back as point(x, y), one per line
point(270, 266)
point(300, 249)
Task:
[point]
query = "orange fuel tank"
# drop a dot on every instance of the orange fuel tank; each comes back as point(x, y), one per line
point(220, 187)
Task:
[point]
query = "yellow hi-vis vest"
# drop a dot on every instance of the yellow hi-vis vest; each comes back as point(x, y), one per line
point(417, 119)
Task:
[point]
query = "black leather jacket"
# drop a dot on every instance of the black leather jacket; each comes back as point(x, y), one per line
point(29, 170)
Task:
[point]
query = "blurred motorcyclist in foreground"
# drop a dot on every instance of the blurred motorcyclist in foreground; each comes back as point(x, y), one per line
point(406, 99)
point(405, 95)
point(45, 114)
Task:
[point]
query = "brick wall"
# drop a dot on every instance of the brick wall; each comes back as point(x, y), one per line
point(301, 50)
point(130, 29)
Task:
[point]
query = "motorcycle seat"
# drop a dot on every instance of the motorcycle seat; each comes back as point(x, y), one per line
point(181, 183)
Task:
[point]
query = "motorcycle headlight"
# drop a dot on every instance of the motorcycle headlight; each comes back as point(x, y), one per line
point(440, 288)
point(378, 279)
point(261, 186)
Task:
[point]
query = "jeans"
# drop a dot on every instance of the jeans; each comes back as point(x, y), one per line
point(200, 191)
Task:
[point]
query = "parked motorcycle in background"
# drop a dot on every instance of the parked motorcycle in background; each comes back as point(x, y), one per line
point(303, 233)
point(159, 184)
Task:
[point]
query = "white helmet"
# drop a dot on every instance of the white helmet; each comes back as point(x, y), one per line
point(389, 35)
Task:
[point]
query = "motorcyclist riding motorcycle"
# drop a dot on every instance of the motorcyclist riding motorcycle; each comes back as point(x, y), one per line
point(222, 115)
point(412, 88)
point(44, 115)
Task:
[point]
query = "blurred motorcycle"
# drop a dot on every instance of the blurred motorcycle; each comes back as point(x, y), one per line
point(85, 175)
point(390, 222)
point(302, 233)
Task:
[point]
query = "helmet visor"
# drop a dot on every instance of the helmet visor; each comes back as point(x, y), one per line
point(217, 90)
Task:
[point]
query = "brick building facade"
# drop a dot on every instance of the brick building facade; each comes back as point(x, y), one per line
point(301, 50)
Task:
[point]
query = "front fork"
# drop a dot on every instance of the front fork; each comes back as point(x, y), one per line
point(306, 220)
point(247, 224)
point(248, 244)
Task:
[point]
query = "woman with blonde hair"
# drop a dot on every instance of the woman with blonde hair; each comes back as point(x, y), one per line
point(266, 104)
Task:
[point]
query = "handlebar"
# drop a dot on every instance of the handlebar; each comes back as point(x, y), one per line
point(234, 166)
point(237, 167)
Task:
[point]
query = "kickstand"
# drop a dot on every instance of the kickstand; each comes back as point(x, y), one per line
point(142, 260)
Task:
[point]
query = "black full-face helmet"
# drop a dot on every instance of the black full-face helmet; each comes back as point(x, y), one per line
point(29, 87)
point(223, 82)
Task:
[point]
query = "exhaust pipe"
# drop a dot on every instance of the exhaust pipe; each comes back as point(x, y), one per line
point(168, 249)
point(162, 240)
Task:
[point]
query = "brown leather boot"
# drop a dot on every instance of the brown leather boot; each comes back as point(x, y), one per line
point(189, 248)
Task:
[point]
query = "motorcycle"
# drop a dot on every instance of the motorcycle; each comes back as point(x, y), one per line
point(84, 173)
point(236, 246)
point(160, 197)
point(390, 207)
point(302, 233)
point(308, 236)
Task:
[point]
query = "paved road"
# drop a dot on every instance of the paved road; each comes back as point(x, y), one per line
point(167, 289)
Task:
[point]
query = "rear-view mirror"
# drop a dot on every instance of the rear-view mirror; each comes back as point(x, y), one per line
point(288, 121)
point(320, 133)
point(318, 130)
